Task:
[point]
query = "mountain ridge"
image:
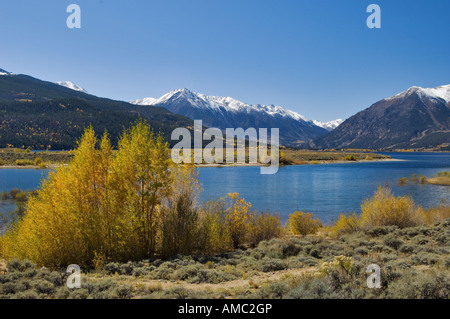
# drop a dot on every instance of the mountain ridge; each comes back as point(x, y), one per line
point(223, 112)
point(41, 114)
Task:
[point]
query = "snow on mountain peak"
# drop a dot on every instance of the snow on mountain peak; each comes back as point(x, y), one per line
point(3, 72)
point(72, 86)
point(440, 92)
point(219, 103)
point(331, 125)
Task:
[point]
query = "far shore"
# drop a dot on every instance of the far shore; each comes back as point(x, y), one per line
point(53, 166)
point(301, 164)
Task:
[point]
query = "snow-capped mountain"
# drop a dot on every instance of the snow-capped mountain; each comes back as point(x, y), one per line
point(203, 101)
point(3, 72)
point(145, 101)
point(226, 112)
point(415, 118)
point(72, 86)
point(329, 126)
point(440, 92)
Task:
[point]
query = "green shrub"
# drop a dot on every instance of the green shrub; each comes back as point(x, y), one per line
point(186, 272)
point(43, 287)
point(423, 258)
point(142, 271)
point(421, 240)
point(268, 265)
point(212, 276)
point(121, 292)
point(393, 242)
point(20, 266)
point(276, 290)
point(81, 293)
point(12, 287)
point(112, 268)
point(408, 248)
point(126, 269)
point(315, 252)
point(162, 272)
point(314, 289)
point(361, 251)
point(307, 261)
point(443, 238)
point(420, 285)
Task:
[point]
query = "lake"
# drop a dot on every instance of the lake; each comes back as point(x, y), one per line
point(325, 190)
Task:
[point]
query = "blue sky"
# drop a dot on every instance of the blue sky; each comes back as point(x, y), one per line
point(315, 57)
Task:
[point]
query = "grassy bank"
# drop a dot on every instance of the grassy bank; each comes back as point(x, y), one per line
point(442, 178)
point(414, 263)
point(298, 157)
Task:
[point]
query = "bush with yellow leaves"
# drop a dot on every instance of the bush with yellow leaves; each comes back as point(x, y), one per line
point(384, 209)
point(300, 223)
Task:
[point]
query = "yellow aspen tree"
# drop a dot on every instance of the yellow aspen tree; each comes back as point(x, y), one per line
point(238, 217)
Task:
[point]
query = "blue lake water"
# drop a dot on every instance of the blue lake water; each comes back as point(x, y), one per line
point(325, 190)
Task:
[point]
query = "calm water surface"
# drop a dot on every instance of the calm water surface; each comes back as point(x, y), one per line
point(326, 190)
point(330, 189)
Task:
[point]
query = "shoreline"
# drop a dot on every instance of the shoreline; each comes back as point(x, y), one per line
point(53, 166)
point(50, 166)
point(302, 164)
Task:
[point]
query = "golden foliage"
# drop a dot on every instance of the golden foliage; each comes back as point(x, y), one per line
point(300, 223)
point(128, 204)
point(433, 215)
point(228, 223)
point(346, 224)
point(103, 205)
point(384, 209)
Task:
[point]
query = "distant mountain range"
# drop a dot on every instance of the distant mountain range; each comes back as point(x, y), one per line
point(416, 118)
point(41, 114)
point(329, 126)
point(226, 112)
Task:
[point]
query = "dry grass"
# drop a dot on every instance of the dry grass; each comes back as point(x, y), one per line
point(439, 180)
point(20, 157)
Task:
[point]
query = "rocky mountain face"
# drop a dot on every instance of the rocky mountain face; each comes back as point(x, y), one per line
point(416, 118)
